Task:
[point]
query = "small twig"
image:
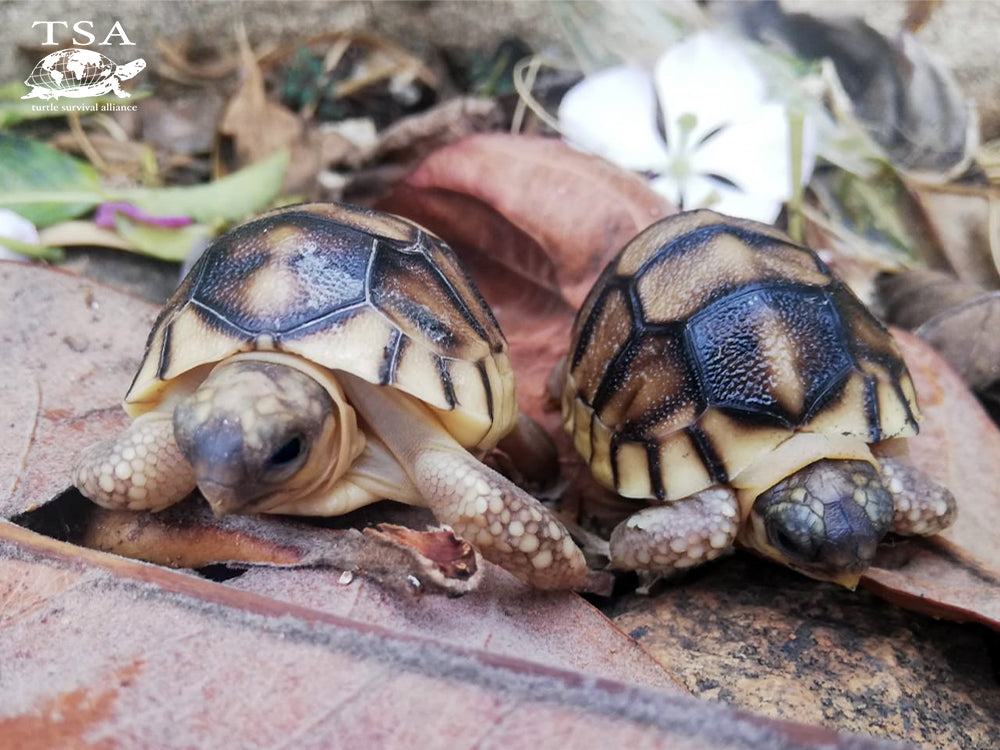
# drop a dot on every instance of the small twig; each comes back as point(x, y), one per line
point(524, 75)
point(796, 127)
point(84, 143)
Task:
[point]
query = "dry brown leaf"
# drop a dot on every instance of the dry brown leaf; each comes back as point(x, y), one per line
point(187, 535)
point(258, 126)
point(959, 320)
point(104, 651)
point(415, 136)
point(187, 61)
point(965, 222)
point(958, 573)
point(71, 347)
point(502, 616)
point(534, 222)
point(184, 125)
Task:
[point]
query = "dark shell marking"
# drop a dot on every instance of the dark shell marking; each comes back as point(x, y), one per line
point(709, 338)
point(343, 287)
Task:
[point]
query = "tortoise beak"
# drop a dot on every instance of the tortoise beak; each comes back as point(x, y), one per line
point(847, 580)
point(222, 500)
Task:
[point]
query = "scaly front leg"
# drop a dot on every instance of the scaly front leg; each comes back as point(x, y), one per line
point(140, 469)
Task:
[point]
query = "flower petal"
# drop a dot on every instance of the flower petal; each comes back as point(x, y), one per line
point(106, 213)
point(708, 76)
point(703, 192)
point(613, 114)
point(755, 153)
point(16, 227)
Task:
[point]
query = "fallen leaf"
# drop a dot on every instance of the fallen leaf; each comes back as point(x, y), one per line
point(182, 125)
point(413, 137)
point(502, 616)
point(958, 319)
point(231, 198)
point(903, 94)
point(234, 197)
point(93, 646)
point(71, 348)
point(28, 165)
point(964, 222)
point(187, 535)
point(956, 574)
point(534, 222)
point(258, 126)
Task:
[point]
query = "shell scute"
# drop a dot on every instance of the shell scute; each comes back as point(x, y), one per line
point(709, 341)
point(347, 289)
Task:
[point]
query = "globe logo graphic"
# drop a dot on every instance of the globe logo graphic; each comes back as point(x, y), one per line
point(78, 73)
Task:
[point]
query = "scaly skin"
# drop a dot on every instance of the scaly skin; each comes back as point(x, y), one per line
point(140, 469)
point(664, 538)
point(921, 506)
point(510, 527)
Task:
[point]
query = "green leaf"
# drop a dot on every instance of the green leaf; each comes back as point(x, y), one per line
point(228, 199)
point(161, 242)
point(42, 252)
point(27, 165)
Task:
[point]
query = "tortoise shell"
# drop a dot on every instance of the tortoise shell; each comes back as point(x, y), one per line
point(349, 289)
point(707, 342)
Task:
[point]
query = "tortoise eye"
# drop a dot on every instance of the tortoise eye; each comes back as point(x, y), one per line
point(287, 453)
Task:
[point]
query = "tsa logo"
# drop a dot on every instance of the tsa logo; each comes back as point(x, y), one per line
point(78, 73)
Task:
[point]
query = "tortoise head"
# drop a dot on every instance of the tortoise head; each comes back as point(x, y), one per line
point(261, 434)
point(825, 520)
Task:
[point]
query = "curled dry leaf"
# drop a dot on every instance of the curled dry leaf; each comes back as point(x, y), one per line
point(534, 222)
point(965, 225)
point(415, 136)
point(260, 127)
point(187, 535)
point(959, 320)
point(903, 94)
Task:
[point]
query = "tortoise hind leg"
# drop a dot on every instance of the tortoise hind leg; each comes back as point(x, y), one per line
point(139, 469)
point(920, 505)
point(666, 538)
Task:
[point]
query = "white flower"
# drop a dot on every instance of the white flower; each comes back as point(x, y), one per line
point(699, 127)
point(15, 227)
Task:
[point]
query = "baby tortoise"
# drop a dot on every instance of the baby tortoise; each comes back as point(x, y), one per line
point(722, 375)
point(320, 358)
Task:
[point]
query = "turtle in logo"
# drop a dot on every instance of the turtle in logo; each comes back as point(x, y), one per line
point(78, 73)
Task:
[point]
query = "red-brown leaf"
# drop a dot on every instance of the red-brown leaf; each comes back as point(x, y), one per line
point(958, 573)
point(101, 651)
point(534, 222)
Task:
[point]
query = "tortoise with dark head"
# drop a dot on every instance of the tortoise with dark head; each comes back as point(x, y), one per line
point(725, 378)
point(320, 358)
